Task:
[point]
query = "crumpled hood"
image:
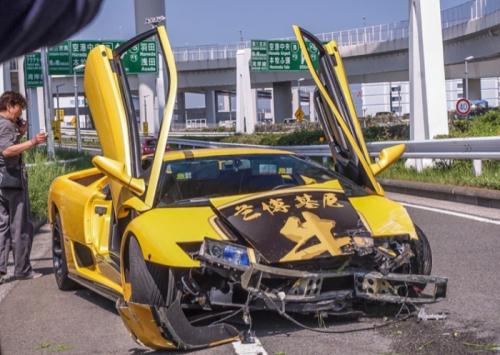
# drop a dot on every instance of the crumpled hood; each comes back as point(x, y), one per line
point(294, 224)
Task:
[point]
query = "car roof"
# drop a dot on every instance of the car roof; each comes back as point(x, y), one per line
point(213, 152)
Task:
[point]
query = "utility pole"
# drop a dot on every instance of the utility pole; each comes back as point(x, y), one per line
point(49, 104)
point(77, 108)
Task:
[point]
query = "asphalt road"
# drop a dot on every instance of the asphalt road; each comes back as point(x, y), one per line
point(37, 318)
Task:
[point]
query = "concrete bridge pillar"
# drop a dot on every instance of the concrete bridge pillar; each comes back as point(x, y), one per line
point(4, 77)
point(246, 97)
point(147, 82)
point(211, 108)
point(473, 87)
point(295, 99)
point(428, 112)
point(180, 110)
point(312, 107)
point(282, 101)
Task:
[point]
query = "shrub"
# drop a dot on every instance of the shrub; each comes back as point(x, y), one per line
point(41, 175)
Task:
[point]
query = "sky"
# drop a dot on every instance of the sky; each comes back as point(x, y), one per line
point(198, 22)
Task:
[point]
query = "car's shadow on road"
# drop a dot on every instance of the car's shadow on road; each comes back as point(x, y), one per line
point(97, 299)
point(270, 324)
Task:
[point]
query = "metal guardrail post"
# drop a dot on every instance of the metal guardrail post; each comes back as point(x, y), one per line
point(477, 167)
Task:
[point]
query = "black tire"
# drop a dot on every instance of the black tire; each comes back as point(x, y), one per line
point(422, 263)
point(59, 258)
point(145, 289)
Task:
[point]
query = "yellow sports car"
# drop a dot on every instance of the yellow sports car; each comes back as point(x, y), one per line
point(184, 240)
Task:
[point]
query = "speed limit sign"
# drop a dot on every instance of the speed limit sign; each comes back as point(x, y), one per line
point(463, 107)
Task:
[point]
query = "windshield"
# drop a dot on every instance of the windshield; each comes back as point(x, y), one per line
point(184, 180)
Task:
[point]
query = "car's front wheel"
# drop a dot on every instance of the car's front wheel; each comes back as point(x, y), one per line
point(151, 285)
point(59, 258)
point(422, 262)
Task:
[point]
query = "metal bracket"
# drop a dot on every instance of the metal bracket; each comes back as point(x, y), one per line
point(154, 21)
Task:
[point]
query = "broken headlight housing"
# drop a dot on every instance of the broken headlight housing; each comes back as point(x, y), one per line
point(225, 253)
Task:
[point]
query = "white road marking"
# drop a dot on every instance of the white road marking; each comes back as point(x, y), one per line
point(456, 214)
point(249, 349)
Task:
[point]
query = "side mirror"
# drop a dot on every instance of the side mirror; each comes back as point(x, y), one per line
point(116, 171)
point(387, 157)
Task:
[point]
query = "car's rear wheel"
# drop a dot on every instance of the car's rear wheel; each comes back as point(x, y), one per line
point(151, 285)
point(59, 258)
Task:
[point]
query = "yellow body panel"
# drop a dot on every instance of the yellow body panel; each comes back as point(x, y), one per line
point(159, 230)
point(383, 216)
point(139, 320)
point(215, 152)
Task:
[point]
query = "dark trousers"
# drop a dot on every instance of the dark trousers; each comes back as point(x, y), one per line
point(16, 230)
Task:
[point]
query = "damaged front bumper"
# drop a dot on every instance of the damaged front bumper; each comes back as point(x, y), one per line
point(326, 290)
point(267, 287)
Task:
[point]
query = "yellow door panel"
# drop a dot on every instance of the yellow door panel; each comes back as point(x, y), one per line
point(358, 147)
point(167, 115)
point(105, 101)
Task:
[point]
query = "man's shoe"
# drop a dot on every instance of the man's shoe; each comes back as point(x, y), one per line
point(31, 275)
point(4, 278)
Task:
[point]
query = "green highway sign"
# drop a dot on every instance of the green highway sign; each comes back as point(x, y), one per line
point(141, 58)
point(33, 70)
point(80, 49)
point(280, 56)
point(59, 58)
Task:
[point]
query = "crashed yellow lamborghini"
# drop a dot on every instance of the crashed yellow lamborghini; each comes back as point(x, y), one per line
point(185, 240)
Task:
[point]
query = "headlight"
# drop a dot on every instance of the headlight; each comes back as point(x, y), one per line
point(236, 256)
point(225, 253)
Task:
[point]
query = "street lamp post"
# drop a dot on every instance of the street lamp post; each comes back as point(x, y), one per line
point(299, 98)
point(57, 98)
point(145, 124)
point(57, 118)
point(77, 108)
point(298, 89)
point(49, 103)
point(466, 60)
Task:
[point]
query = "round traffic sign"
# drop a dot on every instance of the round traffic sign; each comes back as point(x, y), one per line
point(463, 107)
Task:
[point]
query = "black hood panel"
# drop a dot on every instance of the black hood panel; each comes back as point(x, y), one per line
point(270, 224)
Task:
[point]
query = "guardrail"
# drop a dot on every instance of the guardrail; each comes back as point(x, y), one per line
point(483, 148)
point(471, 10)
point(92, 134)
point(480, 148)
point(476, 149)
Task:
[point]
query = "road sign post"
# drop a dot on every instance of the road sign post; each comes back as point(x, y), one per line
point(299, 114)
point(463, 107)
point(49, 103)
point(33, 76)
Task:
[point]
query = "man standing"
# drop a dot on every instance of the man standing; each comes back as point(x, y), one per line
point(15, 224)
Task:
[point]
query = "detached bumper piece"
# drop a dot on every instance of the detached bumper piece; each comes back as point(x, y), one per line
point(400, 288)
point(168, 327)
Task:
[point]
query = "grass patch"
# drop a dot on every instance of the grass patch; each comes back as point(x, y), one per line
point(458, 172)
point(41, 175)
